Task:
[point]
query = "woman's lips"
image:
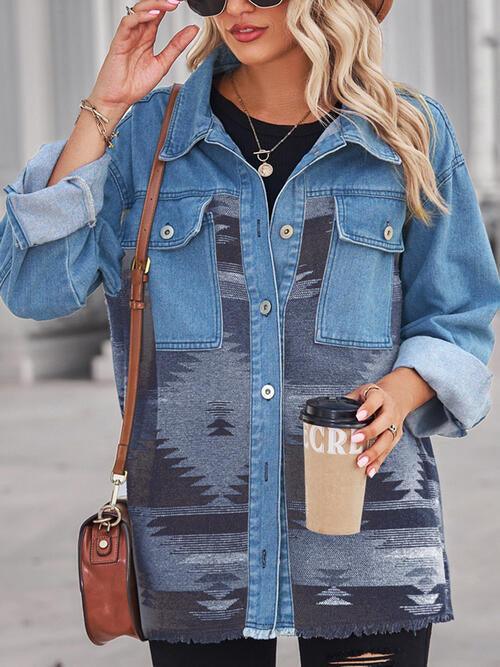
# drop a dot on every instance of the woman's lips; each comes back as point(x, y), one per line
point(248, 36)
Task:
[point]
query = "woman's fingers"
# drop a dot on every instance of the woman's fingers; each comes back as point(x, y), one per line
point(151, 5)
point(128, 24)
point(179, 41)
point(373, 464)
point(374, 399)
point(176, 45)
point(131, 69)
point(374, 428)
point(147, 10)
point(374, 455)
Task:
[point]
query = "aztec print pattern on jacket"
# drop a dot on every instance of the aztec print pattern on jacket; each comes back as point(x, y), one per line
point(394, 572)
point(188, 469)
point(187, 484)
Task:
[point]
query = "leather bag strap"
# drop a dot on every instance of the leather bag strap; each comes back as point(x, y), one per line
point(138, 277)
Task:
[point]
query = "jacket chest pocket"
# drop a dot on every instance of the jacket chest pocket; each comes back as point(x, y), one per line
point(355, 300)
point(183, 282)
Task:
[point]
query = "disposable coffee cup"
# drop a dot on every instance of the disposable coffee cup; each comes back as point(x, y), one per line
point(334, 483)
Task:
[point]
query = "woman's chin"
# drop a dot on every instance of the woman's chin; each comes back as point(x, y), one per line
point(253, 53)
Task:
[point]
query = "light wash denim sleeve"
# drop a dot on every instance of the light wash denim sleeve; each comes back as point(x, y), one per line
point(451, 294)
point(58, 243)
point(39, 214)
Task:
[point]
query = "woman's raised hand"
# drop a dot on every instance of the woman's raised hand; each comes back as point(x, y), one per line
point(131, 69)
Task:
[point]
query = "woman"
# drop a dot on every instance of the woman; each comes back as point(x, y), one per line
point(317, 232)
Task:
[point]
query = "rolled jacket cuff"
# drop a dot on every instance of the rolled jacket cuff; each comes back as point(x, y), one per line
point(461, 382)
point(39, 214)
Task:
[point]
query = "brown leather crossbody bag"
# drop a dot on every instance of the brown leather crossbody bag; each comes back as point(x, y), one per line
point(107, 577)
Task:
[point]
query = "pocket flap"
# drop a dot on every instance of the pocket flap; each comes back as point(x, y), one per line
point(175, 222)
point(372, 220)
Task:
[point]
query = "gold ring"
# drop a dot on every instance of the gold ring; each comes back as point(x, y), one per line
point(372, 386)
point(393, 429)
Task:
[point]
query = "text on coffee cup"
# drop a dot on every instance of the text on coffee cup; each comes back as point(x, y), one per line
point(329, 440)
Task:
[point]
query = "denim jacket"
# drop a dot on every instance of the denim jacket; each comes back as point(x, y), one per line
point(247, 315)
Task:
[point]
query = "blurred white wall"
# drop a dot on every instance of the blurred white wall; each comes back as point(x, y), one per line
point(50, 54)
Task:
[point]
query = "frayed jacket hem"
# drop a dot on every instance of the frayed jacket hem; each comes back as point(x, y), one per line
point(326, 632)
point(343, 631)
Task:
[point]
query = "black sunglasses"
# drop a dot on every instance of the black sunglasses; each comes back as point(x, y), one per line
point(215, 7)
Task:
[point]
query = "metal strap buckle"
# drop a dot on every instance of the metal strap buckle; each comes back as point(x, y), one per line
point(116, 479)
point(136, 265)
point(108, 522)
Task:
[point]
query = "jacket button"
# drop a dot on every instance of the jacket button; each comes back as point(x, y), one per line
point(167, 232)
point(267, 391)
point(265, 307)
point(388, 231)
point(103, 543)
point(286, 231)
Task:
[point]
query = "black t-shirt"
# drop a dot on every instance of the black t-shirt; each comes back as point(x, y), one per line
point(284, 158)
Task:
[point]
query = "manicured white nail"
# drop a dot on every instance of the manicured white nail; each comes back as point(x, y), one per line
point(154, 11)
point(372, 472)
point(363, 461)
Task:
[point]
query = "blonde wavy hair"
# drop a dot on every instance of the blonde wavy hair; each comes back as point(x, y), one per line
point(343, 40)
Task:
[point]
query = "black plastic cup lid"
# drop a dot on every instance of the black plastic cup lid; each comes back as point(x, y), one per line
point(334, 411)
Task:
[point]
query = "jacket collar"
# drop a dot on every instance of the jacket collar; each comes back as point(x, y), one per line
point(193, 119)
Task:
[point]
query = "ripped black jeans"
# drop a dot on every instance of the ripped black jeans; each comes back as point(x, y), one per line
point(406, 648)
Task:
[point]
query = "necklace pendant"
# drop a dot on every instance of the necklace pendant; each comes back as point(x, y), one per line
point(265, 169)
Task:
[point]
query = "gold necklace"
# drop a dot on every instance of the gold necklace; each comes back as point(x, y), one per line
point(265, 169)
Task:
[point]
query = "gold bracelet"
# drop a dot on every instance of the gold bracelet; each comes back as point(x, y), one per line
point(99, 119)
